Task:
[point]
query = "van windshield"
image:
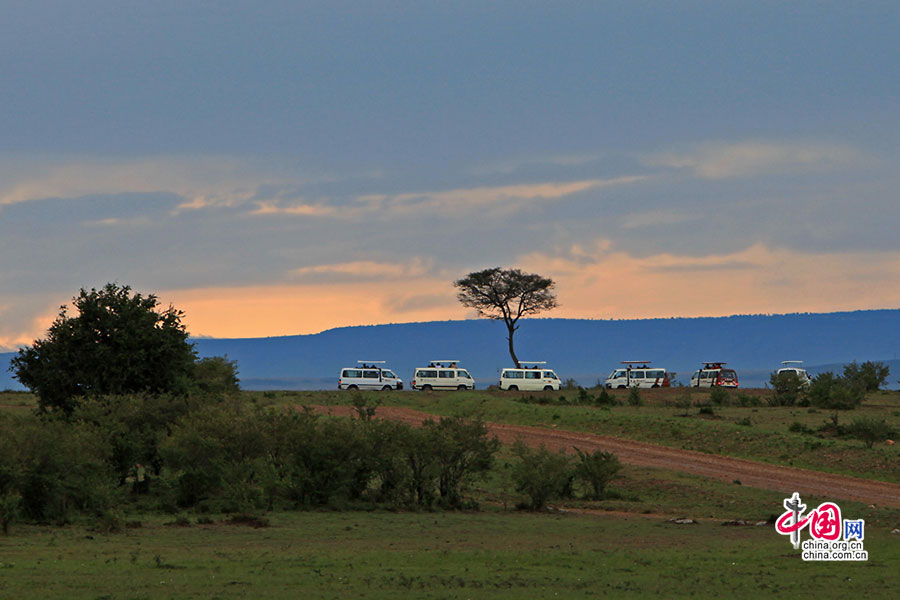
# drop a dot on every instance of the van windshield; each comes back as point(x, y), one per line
point(464, 374)
point(388, 373)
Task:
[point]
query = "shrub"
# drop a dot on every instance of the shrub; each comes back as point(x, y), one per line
point(788, 388)
point(830, 391)
point(216, 375)
point(463, 451)
point(541, 475)
point(869, 375)
point(870, 430)
point(634, 396)
point(596, 470)
point(604, 398)
point(719, 396)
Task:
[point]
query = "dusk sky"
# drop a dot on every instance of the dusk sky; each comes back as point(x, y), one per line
point(285, 167)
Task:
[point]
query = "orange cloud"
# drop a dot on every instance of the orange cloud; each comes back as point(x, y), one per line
point(302, 309)
point(592, 282)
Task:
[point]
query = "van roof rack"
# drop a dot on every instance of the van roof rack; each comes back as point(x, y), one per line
point(713, 364)
point(792, 362)
point(444, 361)
point(636, 362)
point(374, 362)
point(532, 362)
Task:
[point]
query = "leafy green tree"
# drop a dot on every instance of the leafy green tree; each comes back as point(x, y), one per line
point(118, 343)
point(506, 295)
point(869, 375)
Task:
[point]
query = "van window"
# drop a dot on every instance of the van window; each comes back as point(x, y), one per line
point(532, 374)
point(513, 375)
point(352, 373)
point(370, 374)
point(446, 374)
point(550, 375)
point(464, 374)
point(431, 374)
point(388, 373)
point(637, 374)
point(657, 374)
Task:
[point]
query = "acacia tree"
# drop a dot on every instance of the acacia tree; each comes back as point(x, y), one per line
point(119, 343)
point(507, 295)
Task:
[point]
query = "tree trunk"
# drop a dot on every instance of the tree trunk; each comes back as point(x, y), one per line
point(512, 352)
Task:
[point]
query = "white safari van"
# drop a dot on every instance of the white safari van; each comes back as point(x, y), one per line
point(369, 375)
point(442, 375)
point(639, 374)
point(795, 367)
point(714, 374)
point(529, 379)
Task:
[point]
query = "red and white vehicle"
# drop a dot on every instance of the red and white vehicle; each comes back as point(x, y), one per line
point(714, 374)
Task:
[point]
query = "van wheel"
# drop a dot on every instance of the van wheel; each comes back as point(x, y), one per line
point(621, 387)
point(513, 388)
point(548, 388)
point(461, 388)
point(386, 388)
point(654, 385)
point(426, 387)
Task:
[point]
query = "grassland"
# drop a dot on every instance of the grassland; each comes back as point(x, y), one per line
point(491, 554)
point(623, 546)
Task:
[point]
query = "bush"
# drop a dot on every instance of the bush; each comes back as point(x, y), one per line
point(869, 375)
point(719, 396)
point(830, 391)
point(64, 470)
point(604, 398)
point(463, 451)
point(596, 470)
point(634, 396)
point(788, 388)
point(216, 376)
point(870, 430)
point(541, 475)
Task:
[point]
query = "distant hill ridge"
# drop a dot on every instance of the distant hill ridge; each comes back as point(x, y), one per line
point(582, 349)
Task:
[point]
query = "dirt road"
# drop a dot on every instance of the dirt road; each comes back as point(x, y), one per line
point(785, 480)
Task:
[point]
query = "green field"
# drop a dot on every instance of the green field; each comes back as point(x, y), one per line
point(622, 546)
point(490, 554)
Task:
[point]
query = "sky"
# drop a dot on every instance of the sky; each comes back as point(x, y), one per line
point(285, 167)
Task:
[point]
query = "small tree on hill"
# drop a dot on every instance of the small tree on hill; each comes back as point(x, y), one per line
point(870, 375)
point(507, 295)
point(119, 343)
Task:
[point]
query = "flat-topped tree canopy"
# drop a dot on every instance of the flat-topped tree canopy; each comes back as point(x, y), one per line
point(507, 295)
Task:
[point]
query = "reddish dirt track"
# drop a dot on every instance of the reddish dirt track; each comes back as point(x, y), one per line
point(784, 480)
